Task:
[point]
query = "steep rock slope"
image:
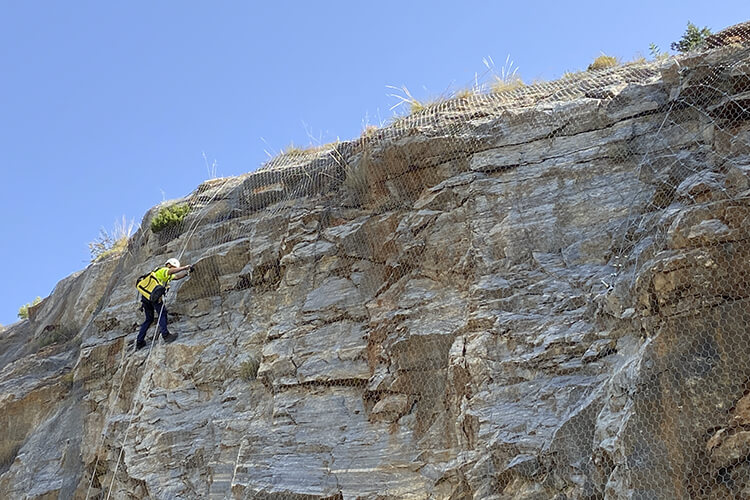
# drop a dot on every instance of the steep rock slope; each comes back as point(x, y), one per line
point(537, 295)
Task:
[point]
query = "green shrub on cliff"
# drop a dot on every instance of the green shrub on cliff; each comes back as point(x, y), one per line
point(23, 312)
point(169, 216)
point(694, 38)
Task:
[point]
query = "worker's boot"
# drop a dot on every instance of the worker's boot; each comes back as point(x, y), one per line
point(169, 338)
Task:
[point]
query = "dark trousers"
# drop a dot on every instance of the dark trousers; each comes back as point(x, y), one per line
point(153, 310)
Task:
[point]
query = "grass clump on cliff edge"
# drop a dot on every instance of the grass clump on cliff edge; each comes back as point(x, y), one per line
point(507, 79)
point(603, 62)
point(23, 311)
point(507, 84)
point(169, 216)
point(292, 149)
point(415, 105)
point(114, 243)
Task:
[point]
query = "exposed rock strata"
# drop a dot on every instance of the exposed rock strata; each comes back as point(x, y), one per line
point(539, 300)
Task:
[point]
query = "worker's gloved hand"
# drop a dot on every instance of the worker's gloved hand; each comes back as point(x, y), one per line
point(190, 270)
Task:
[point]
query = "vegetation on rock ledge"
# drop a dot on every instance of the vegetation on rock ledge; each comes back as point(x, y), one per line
point(23, 312)
point(169, 216)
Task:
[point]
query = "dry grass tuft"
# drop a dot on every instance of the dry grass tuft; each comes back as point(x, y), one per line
point(369, 132)
point(465, 93)
point(603, 62)
point(114, 243)
point(249, 369)
point(507, 85)
point(415, 105)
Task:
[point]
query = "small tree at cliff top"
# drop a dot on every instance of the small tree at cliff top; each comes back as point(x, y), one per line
point(694, 38)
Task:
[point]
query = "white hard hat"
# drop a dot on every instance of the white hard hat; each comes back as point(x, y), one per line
point(173, 262)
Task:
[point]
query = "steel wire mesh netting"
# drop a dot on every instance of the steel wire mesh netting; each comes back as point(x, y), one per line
point(538, 293)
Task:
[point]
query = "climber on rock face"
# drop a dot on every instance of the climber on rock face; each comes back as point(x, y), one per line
point(152, 288)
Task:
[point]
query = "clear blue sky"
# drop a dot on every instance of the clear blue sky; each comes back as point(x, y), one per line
point(106, 107)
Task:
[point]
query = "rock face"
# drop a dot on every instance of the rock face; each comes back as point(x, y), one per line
point(541, 294)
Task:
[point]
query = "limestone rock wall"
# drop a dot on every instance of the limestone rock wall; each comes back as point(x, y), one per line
point(542, 295)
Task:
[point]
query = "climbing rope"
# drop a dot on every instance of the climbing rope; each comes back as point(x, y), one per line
point(190, 234)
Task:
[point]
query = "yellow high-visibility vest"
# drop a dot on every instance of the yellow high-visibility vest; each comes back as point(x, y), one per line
point(150, 286)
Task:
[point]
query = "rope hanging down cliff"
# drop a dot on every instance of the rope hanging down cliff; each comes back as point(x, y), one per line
point(190, 233)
